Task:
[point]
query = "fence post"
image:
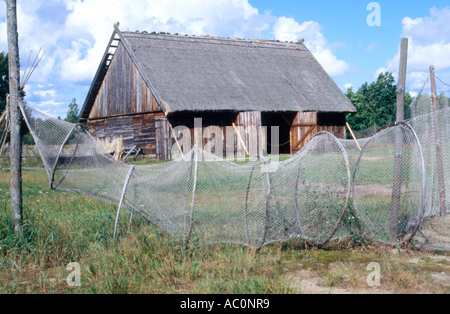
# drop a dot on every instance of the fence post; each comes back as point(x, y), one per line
point(246, 203)
point(437, 131)
point(398, 161)
point(125, 185)
point(187, 236)
point(269, 193)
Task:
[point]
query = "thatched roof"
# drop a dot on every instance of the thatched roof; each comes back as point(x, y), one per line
point(189, 73)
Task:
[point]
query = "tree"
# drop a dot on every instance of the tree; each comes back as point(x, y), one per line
point(4, 80)
point(72, 113)
point(375, 103)
point(443, 101)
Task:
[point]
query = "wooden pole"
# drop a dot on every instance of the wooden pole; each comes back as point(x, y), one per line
point(353, 135)
point(176, 139)
point(15, 116)
point(440, 160)
point(398, 159)
point(240, 139)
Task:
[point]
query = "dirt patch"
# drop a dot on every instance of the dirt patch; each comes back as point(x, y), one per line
point(441, 278)
point(373, 158)
point(401, 271)
point(310, 282)
point(437, 231)
point(373, 189)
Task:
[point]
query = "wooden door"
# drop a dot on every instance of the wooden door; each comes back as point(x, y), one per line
point(303, 128)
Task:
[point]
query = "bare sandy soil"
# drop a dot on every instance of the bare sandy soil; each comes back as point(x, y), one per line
point(402, 272)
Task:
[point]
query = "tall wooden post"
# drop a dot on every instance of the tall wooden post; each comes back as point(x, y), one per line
point(15, 96)
point(437, 131)
point(398, 161)
point(402, 80)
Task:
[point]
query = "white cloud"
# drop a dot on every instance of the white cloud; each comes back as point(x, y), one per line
point(235, 18)
point(3, 29)
point(413, 94)
point(379, 71)
point(288, 29)
point(417, 79)
point(372, 47)
point(74, 35)
point(428, 44)
point(348, 85)
point(51, 93)
point(81, 61)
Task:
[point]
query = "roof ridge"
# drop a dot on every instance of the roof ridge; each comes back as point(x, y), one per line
point(169, 36)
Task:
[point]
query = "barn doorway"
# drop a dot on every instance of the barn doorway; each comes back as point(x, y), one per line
point(283, 120)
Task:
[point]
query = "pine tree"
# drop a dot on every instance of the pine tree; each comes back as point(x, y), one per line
point(72, 113)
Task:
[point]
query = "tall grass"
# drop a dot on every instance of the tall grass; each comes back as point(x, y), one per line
point(60, 228)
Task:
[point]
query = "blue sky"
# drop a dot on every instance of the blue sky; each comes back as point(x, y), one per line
point(74, 35)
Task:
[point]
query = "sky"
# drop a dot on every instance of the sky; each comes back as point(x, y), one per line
point(354, 40)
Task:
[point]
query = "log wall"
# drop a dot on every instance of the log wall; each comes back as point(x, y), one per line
point(139, 130)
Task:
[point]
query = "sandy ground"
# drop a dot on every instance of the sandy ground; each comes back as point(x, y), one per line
point(312, 282)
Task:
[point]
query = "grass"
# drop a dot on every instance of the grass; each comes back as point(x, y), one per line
point(61, 227)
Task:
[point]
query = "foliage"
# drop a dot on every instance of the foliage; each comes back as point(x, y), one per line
point(376, 103)
point(443, 101)
point(4, 80)
point(72, 113)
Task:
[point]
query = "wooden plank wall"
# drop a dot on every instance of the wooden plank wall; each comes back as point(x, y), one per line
point(139, 130)
point(254, 141)
point(338, 131)
point(333, 123)
point(214, 122)
point(125, 107)
point(163, 139)
point(123, 90)
point(298, 132)
point(249, 120)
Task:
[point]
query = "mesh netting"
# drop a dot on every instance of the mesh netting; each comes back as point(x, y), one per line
point(386, 187)
point(432, 124)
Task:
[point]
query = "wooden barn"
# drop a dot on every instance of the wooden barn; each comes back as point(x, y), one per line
point(149, 85)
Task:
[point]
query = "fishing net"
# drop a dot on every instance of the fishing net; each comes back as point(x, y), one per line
point(386, 187)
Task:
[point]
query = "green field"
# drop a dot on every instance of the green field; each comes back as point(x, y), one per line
point(62, 227)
